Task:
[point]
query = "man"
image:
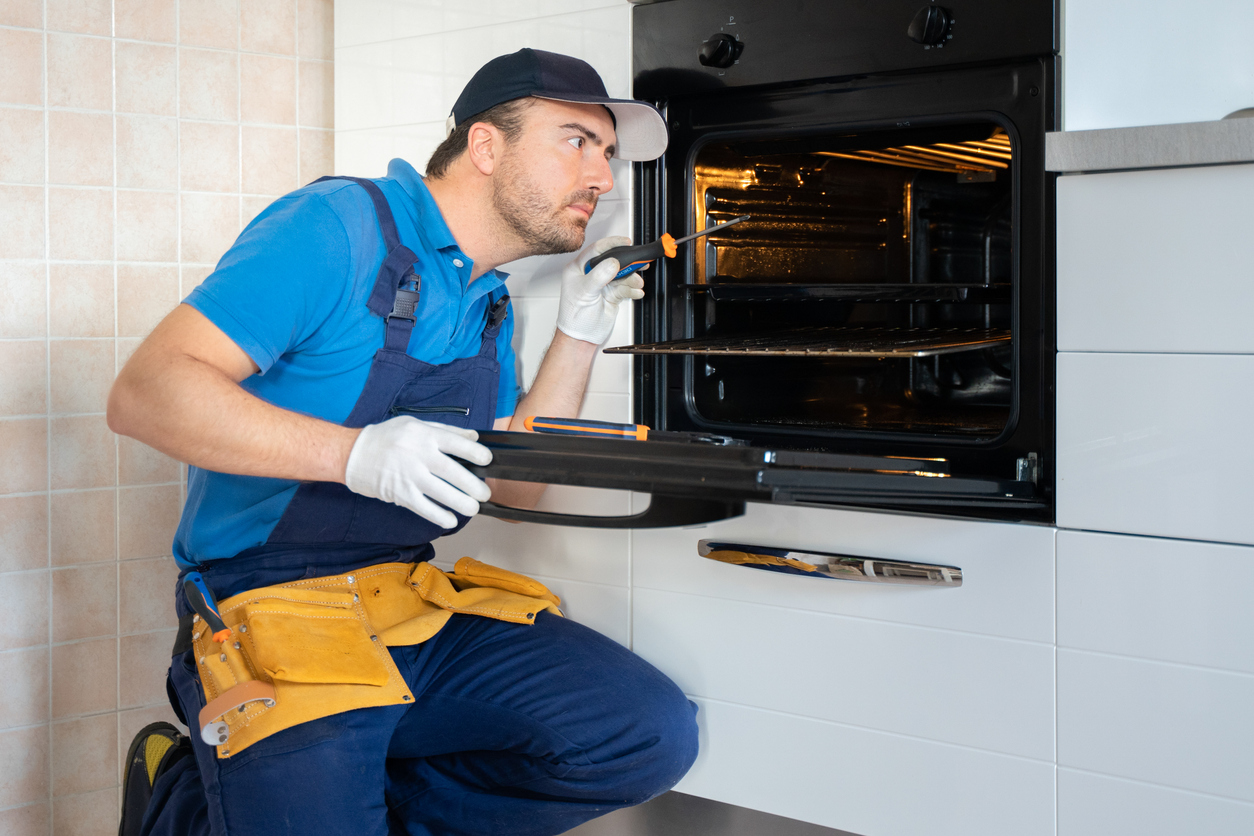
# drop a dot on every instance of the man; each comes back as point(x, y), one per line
point(323, 384)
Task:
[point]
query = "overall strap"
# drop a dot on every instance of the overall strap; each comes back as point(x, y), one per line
point(497, 311)
point(396, 287)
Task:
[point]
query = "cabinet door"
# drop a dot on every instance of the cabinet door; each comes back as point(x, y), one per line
point(1156, 444)
point(1155, 680)
point(1132, 62)
point(873, 692)
point(1157, 261)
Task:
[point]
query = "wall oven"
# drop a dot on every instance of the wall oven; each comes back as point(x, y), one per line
point(880, 331)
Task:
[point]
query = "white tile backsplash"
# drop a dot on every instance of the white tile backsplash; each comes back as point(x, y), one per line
point(404, 80)
point(371, 21)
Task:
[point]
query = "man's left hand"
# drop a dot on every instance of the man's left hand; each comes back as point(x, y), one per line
point(589, 301)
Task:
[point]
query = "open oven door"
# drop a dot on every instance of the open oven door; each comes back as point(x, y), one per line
point(694, 482)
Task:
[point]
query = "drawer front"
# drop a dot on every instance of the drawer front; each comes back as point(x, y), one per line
point(1098, 805)
point(1156, 444)
point(1156, 260)
point(865, 782)
point(1166, 724)
point(1008, 570)
point(939, 685)
point(1167, 600)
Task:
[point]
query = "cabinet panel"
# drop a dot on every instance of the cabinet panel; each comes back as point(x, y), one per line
point(1008, 570)
point(978, 691)
point(1162, 723)
point(1098, 805)
point(1170, 600)
point(865, 782)
point(1156, 260)
point(1132, 62)
point(1156, 444)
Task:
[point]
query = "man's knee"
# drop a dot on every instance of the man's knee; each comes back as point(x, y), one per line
point(666, 727)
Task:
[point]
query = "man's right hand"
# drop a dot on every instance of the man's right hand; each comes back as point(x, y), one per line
point(409, 462)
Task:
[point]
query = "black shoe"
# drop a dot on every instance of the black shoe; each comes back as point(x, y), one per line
point(156, 748)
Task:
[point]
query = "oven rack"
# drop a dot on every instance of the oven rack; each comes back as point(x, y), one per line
point(865, 292)
point(861, 341)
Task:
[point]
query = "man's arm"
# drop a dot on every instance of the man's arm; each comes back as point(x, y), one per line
point(586, 312)
point(180, 393)
point(556, 393)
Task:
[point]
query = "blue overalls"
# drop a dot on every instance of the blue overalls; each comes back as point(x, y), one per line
point(515, 729)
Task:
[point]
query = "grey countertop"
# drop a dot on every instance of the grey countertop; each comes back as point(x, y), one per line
point(1152, 146)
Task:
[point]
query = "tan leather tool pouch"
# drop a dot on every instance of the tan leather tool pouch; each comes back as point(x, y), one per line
point(322, 643)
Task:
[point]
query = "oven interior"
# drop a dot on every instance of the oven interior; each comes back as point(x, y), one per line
point(870, 292)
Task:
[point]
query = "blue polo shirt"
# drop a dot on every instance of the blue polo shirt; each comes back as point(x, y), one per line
point(292, 293)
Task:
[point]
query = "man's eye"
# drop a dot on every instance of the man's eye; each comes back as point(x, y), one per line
point(576, 141)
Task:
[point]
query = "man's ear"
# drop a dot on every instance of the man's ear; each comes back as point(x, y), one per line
point(483, 147)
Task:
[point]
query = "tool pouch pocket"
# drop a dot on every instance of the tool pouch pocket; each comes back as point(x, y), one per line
point(314, 644)
point(295, 655)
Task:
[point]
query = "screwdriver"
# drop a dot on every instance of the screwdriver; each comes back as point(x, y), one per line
point(202, 601)
point(609, 429)
point(634, 257)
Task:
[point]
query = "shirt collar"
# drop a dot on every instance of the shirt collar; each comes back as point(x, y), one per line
point(430, 221)
point(431, 224)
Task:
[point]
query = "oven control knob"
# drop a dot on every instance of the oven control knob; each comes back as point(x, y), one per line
point(931, 26)
point(720, 50)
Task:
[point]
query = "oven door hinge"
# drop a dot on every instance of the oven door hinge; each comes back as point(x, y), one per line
point(1028, 469)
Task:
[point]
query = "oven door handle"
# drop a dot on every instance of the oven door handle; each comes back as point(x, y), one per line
point(663, 512)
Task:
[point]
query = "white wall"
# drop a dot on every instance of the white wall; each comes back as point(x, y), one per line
point(400, 65)
point(1154, 62)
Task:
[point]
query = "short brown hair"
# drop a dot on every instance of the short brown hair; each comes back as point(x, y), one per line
point(507, 117)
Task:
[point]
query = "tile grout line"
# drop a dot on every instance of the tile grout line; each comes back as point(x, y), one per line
point(47, 391)
point(117, 444)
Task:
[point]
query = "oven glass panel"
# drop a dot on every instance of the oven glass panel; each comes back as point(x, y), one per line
point(870, 289)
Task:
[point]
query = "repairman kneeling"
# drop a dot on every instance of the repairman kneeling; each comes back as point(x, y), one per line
point(320, 383)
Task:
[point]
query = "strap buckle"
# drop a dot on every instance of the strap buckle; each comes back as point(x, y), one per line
point(498, 312)
point(406, 303)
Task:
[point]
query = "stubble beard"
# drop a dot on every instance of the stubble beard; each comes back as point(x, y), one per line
point(542, 228)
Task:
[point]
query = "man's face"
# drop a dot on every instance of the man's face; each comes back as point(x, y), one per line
point(548, 180)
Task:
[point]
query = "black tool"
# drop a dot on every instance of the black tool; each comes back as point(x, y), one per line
point(634, 257)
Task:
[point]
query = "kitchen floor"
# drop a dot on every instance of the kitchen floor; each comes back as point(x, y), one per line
point(677, 814)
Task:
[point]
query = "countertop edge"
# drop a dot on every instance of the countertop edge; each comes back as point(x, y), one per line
point(1220, 142)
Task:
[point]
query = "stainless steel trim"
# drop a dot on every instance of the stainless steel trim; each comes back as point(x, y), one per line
point(830, 565)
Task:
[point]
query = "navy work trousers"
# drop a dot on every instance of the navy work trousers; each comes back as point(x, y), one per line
point(516, 730)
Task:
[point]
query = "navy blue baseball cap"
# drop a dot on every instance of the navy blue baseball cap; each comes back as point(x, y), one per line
point(547, 75)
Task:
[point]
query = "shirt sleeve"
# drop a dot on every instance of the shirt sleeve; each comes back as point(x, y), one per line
point(508, 392)
point(288, 271)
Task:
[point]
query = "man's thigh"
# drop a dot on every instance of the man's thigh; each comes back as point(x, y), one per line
point(574, 712)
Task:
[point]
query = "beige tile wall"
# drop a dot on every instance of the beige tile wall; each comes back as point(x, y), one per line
point(137, 137)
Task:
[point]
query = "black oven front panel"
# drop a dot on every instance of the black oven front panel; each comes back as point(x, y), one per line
point(684, 46)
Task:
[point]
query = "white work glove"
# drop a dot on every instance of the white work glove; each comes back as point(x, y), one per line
point(407, 462)
point(589, 302)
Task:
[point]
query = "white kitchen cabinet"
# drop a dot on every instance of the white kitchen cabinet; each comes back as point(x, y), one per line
point(978, 691)
point(895, 692)
point(1152, 62)
point(1155, 679)
point(1157, 261)
point(1172, 725)
point(1156, 444)
point(866, 782)
point(1008, 570)
point(1168, 600)
point(1099, 805)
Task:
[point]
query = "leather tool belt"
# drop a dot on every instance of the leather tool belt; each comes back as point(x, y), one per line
point(315, 647)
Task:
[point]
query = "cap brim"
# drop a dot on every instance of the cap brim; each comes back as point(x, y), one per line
point(640, 128)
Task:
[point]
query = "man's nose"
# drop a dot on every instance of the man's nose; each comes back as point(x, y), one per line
point(598, 176)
